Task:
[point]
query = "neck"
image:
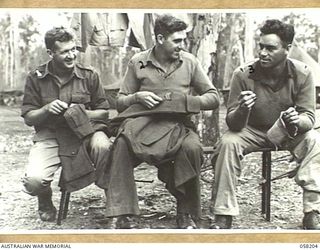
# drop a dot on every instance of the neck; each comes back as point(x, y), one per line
point(161, 56)
point(276, 71)
point(58, 71)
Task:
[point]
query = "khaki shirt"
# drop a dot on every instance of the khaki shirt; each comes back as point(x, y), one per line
point(296, 89)
point(43, 87)
point(144, 73)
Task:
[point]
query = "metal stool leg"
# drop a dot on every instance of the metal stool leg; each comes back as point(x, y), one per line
point(266, 186)
point(61, 207)
point(64, 204)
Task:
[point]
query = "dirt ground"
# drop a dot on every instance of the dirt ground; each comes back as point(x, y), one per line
point(19, 210)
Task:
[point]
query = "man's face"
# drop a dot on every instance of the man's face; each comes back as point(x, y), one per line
point(64, 55)
point(271, 52)
point(173, 44)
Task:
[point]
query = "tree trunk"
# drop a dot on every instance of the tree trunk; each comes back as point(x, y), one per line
point(249, 39)
point(11, 57)
point(228, 63)
point(16, 55)
point(203, 46)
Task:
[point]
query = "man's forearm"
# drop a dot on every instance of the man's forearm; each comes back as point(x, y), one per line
point(209, 100)
point(124, 101)
point(306, 123)
point(36, 117)
point(237, 119)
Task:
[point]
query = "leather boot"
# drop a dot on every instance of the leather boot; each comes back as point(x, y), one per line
point(185, 221)
point(46, 209)
point(122, 222)
point(311, 220)
point(222, 222)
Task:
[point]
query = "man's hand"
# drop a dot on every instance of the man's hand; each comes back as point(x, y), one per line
point(247, 99)
point(291, 117)
point(148, 99)
point(56, 107)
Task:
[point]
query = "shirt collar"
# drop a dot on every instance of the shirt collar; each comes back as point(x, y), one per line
point(150, 58)
point(258, 73)
point(44, 70)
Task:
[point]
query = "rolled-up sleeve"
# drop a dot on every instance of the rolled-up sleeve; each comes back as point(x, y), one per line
point(32, 98)
point(305, 104)
point(128, 87)
point(209, 97)
point(98, 97)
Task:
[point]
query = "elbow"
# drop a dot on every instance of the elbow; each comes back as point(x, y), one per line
point(28, 122)
point(233, 126)
point(120, 107)
point(211, 104)
point(216, 103)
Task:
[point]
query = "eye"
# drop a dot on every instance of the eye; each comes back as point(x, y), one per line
point(178, 40)
point(270, 48)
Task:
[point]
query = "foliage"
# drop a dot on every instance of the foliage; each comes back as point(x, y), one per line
point(19, 49)
point(307, 33)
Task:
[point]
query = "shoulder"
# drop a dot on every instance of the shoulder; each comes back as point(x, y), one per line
point(38, 72)
point(86, 71)
point(140, 56)
point(188, 57)
point(246, 69)
point(85, 68)
point(300, 67)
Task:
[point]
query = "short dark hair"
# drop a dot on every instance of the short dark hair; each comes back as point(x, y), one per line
point(283, 30)
point(60, 34)
point(167, 24)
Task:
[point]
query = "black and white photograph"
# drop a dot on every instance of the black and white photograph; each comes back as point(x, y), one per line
point(154, 120)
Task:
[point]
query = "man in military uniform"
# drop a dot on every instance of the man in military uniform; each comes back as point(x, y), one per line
point(162, 88)
point(271, 104)
point(65, 103)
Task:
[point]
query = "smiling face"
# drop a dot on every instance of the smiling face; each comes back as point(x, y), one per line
point(64, 55)
point(172, 44)
point(272, 52)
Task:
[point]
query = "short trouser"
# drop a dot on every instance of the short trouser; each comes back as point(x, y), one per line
point(44, 161)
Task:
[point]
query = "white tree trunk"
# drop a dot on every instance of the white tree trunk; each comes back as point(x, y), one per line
point(228, 64)
point(249, 39)
point(16, 54)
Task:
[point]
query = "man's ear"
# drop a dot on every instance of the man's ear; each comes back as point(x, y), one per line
point(160, 38)
point(50, 53)
point(289, 46)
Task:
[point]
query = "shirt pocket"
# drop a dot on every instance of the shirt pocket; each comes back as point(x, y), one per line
point(81, 98)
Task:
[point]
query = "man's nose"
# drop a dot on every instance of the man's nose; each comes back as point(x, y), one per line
point(72, 54)
point(181, 45)
point(263, 52)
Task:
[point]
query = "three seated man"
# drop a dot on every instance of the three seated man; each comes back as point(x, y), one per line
point(162, 88)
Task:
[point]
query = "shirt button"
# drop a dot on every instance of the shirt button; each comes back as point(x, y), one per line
point(73, 153)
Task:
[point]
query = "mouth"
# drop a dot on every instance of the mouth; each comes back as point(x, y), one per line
point(263, 60)
point(69, 62)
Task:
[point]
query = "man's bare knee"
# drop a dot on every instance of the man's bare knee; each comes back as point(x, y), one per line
point(35, 185)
